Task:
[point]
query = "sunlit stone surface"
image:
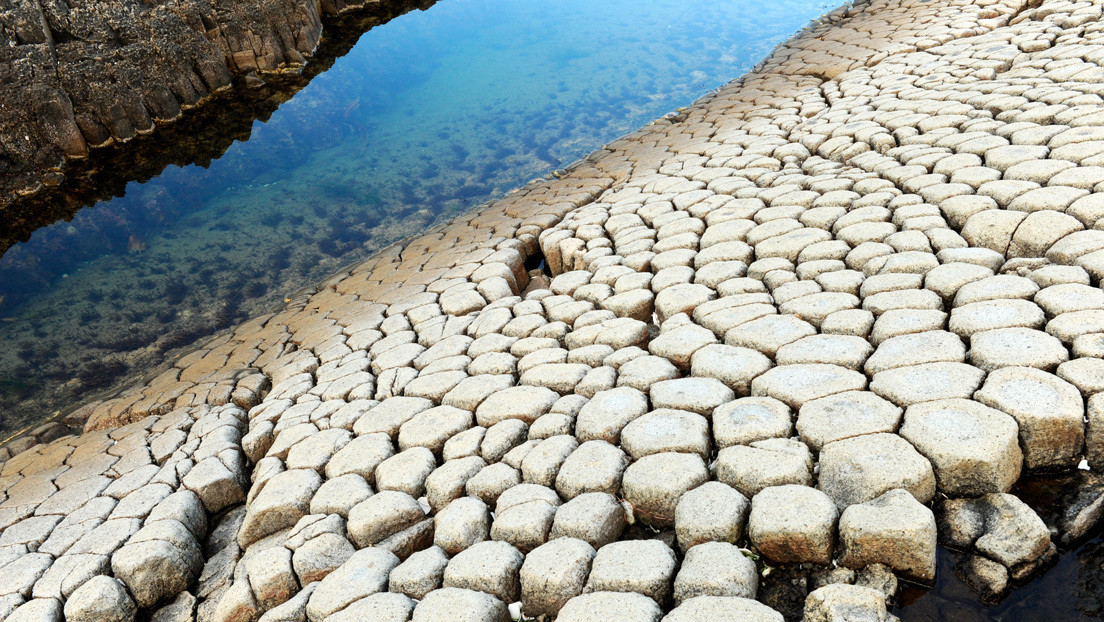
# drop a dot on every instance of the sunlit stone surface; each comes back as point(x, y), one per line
point(893, 165)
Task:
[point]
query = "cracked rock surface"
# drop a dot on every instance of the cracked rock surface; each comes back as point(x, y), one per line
point(863, 277)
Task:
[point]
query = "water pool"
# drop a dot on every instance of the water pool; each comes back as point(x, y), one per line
point(424, 118)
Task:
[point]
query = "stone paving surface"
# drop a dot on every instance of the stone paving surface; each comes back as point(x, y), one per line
point(830, 312)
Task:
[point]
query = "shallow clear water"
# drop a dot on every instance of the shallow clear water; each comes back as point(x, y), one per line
point(426, 117)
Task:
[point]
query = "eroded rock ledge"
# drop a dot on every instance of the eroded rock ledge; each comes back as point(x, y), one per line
point(830, 315)
point(75, 76)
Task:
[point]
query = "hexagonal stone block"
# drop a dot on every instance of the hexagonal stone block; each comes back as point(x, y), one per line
point(698, 395)
point(905, 386)
point(363, 574)
point(1049, 411)
point(840, 601)
point(525, 403)
point(461, 524)
point(793, 524)
point(610, 607)
point(642, 566)
point(594, 517)
point(654, 484)
point(934, 346)
point(893, 529)
point(722, 609)
point(768, 334)
point(452, 604)
point(384, 607)
point(973, 449)
point(382, 515)
point(773, 462)
point(796, 384)
point(594, 466)
point(1016, 347)
point(843, 350)
point(666, 429)
point(735, 367)
point(608, 412)
point(542, 463)
point(712, 512)
point(432, 428)
point(524, 525)
point(978, 317)
point(716, 569)
point(490, 567)
point(844, 415)
point(859, 469)
point(553, 574)
point(751, 419)
point(420, 574)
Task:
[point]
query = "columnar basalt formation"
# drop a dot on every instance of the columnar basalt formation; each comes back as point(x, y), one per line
point(829, 313)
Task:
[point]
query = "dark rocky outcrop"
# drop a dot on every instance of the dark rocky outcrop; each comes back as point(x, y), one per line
point(80, 76)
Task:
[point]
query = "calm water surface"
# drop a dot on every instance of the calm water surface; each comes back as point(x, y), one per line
point(426, 117)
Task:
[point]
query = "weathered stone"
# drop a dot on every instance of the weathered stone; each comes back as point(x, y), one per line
point(793, 524)
point(364, 574)
point(420, 574)
point(101, 599)
point(722, 609)
point(217, 486)
point(384, 607)
point(845, 602)
point(1049, 411)
point(750, 469)
point(860, 469)
point(642, 566)
point(612, 607)
point(796, 384)
point(360, 455)
point(654, 484)
point(490, 567)
point(320, 556)
point(461, 524)
point(152, 567)
point(608, 412)
point(181, 609)
point(751, 419)
point(339, 495)
point(716, 569)
point(553, 574)
point(698, 395)
point(431, 428)
point(845, 415)
point(382, 515)
point(406, 471)
point(735, 367)
point(973, 449)
point(281, 503)
point(594, 517)
point(459, 605)
point(712, 512)
point(447, 482)
point(893, 529)
point(664, 430)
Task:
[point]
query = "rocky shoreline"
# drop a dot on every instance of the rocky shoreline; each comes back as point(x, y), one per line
point(82, 84)
point(756, 361)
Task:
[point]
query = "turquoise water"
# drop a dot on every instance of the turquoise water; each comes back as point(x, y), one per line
point(426, 117)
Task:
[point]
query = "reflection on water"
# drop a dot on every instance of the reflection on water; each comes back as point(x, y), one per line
point(426, 117)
